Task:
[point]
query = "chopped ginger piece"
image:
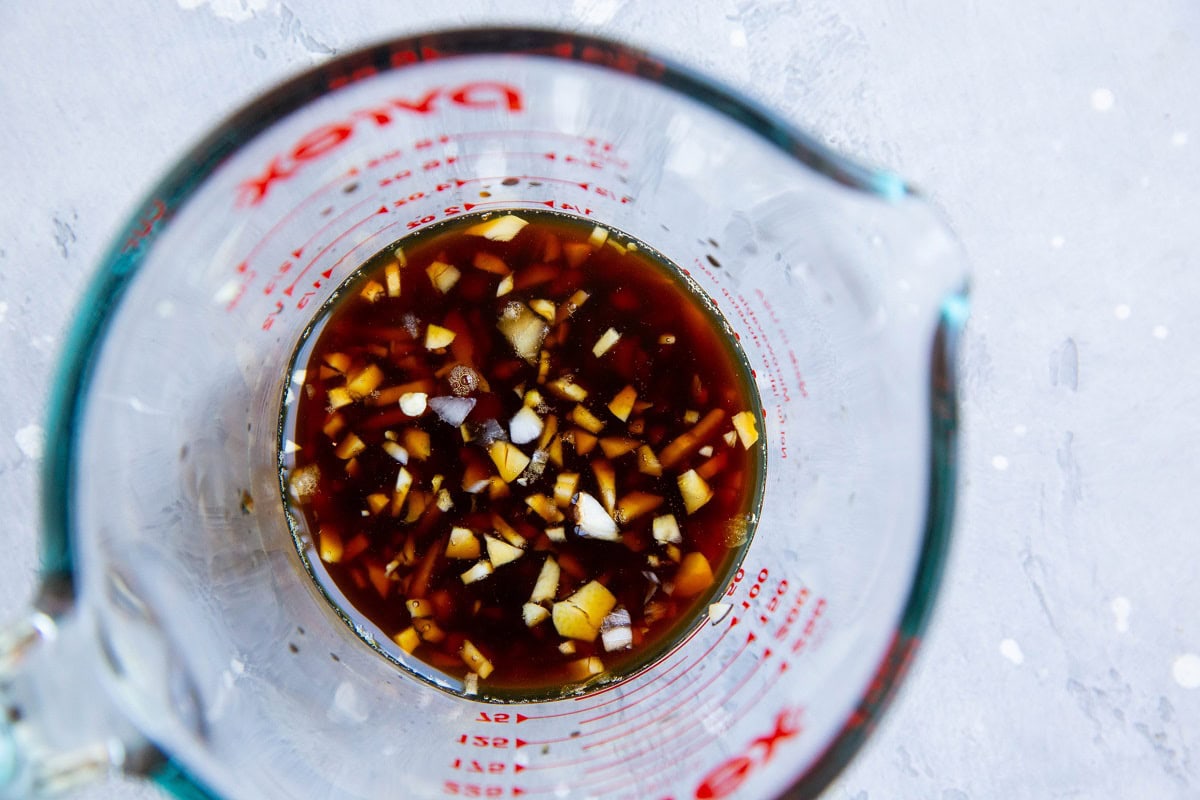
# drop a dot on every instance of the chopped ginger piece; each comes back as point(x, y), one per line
point(648, 463)
point(500, 229)
point(408, 639)
point(580, 615)
point(622, 403)
point(694, 490)
point(746, 427)
point(365, 381)
point(635, 504)
point(350, 447)
point(443, 276)
point(437, 337)
point(474, 659)
point(693, 576)
point(534, 615)
point(509, 460)
point(584, 668)
point(330, 545)
point(501, 552)
point(372, 291)
point(463, 544)
point(546, 586)
point(606, 341)
point(391, 275)
point(586, 419)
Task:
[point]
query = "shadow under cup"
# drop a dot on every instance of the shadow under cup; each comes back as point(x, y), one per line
point(845, 292)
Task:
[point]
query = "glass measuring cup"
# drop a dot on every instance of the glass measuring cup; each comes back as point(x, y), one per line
point(175, 608)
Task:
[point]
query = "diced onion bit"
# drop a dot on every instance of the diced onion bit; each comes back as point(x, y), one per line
point(525, 426)
point(666, 530)
point(529, 457)
point(717, 612)
point(452, 410)
point(616, 630)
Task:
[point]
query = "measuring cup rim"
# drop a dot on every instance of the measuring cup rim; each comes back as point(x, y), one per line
point(126, 255)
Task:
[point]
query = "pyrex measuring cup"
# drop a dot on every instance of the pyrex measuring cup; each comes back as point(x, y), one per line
point(175, 609)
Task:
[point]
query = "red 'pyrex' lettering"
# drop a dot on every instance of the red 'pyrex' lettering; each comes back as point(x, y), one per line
point(732, 773)
point(482, 95)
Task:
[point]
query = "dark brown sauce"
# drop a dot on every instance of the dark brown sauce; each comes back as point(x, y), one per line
point(369, 368)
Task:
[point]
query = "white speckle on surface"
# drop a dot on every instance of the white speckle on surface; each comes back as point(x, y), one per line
point(1012, 651)
point(290, 397)
point(227, 292)
point(1122, 312)
point(290, 447)
point(237, 667)
point(737, 37)
point(31, 440)
point(348, 704)
point(1020, 430)
point(1121, 607)
point(1103, 99)
point(165, 309)
point(1000, 462)
point(1160, 332)
point(594, 12)
point(298, 376)
point(233, 10)
point(1057, 242)
point(1179, 138)
point(3, 310)
point(1186, 670)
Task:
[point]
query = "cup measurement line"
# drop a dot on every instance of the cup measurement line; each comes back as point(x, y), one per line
point(577, 734)
point(750, 638)
point(266, 237)
point(698, 660)
point(300, 275)
point(697, 739)
point(576, 711)
point(329, 224)
point(666, 657)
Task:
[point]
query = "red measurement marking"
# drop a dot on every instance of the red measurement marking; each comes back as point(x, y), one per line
point(725, 779)
point(460, 182)
point(324, 229)
point(687, 699)
point(244, 267)
point(382, 210)
point(622, 698)
point(319, 142)
point(699, 660)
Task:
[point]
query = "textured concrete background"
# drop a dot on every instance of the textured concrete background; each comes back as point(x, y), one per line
point(1063, 143)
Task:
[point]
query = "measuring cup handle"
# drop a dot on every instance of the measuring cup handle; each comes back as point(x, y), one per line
point(58, 727)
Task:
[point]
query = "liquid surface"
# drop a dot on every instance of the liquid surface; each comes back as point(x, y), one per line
point(526, 449)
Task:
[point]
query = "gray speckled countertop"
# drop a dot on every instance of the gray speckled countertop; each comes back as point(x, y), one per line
point(1062, 142)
